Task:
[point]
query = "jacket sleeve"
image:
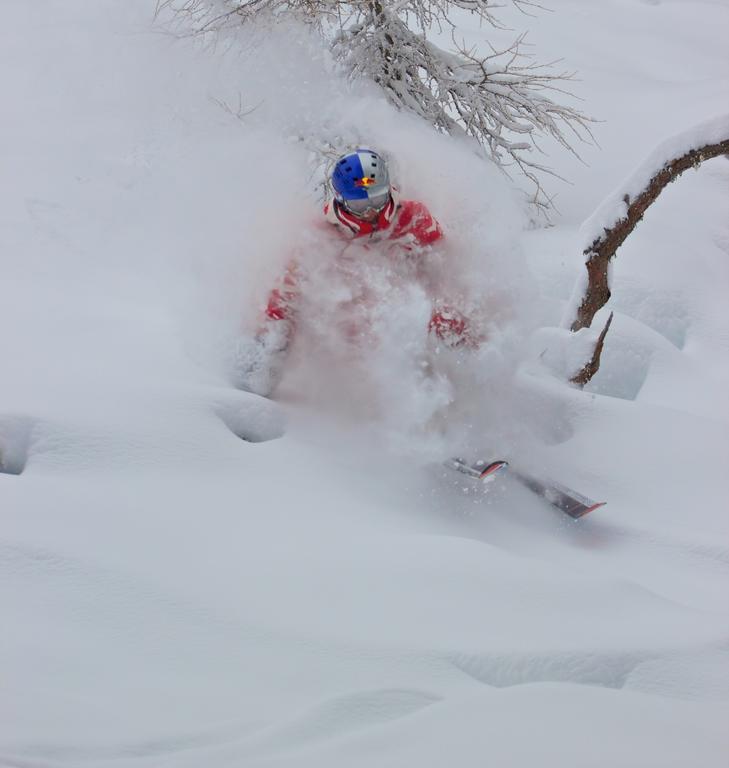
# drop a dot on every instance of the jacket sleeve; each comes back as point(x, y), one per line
point(283, 298)
point(416, 220)
point(278, 322)
point(259, 362)
point(447, 323)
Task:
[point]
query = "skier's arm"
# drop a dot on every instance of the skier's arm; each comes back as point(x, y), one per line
point(260, 364)
point(278, 324)
point(417, 224)
point(281, 305)
point(447, 322)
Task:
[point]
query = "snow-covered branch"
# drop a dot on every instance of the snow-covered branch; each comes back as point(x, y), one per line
point(502, 99)
point(618, 215)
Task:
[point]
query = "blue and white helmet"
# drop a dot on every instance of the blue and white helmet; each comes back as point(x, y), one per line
point(360, 181)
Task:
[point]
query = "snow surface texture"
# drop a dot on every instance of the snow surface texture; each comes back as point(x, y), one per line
point(193, 575)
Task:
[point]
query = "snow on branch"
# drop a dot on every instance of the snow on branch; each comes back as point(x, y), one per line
point(618, 215)
point(502, 99)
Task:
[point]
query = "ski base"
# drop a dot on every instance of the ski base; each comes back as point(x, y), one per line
point(572, 503)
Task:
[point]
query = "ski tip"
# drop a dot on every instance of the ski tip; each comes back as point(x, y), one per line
point(595, 506)
point(586, 510)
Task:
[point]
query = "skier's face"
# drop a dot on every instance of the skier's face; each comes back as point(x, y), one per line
point(368, 209)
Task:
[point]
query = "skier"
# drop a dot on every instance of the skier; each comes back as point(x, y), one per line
point(363, 206)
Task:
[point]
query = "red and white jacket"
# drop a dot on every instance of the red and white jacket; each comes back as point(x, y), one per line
point(408, 221)
point(396, 220)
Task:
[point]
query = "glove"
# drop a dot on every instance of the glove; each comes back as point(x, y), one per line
point(259, 362)
point(451, 327)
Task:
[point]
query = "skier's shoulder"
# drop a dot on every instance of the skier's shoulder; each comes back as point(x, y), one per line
point(330, 215)
point(328, 224)
point(334, 220)
point(412, 208)
point(413, 217)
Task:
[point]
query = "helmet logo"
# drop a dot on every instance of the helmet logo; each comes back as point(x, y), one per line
point(364, 182)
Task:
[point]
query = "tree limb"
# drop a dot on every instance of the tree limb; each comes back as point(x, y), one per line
point(601, 251)
point(504, 100)
point(593, 366)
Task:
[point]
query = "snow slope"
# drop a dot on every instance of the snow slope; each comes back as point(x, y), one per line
point(322, 593)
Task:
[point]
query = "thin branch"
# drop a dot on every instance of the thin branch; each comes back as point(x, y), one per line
point(239, 112)
point(593, 365)
point(502, 100)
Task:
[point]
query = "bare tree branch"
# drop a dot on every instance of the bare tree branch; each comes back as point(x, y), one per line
point(593, 365)
point(239, 112)
point(503, 100)
point(500, 99)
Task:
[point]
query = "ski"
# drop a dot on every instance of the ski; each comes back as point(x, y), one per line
point(565, 499)
point(480, 470)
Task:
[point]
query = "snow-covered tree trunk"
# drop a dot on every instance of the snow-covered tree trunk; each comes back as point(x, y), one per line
point(607, 229)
